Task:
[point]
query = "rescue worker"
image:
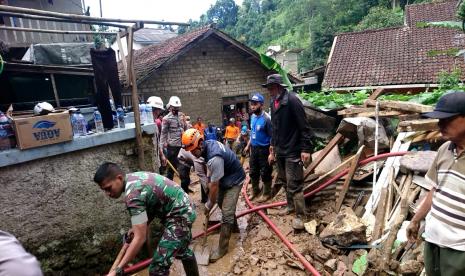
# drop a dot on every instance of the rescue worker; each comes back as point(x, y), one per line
point(157, 108)
point(291, 145)
point(226, 177)
point(171, 131)
point(259, 146)
point(211, 132)
point(231, 134)
point(200, 126)
point(148, 196)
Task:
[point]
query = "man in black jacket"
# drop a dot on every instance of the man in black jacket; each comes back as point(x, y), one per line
point(290, 145)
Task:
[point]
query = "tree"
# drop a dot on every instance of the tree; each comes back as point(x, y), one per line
point(224, 13)
point(381, 17)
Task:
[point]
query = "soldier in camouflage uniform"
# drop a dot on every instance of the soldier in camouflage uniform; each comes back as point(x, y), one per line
point(148, 196)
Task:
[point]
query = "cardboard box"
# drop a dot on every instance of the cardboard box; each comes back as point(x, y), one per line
point(36, 131)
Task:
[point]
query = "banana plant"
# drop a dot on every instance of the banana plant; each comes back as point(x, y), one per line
point(271, 64)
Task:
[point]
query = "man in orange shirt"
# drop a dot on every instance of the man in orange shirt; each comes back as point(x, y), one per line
point(200, 126)
point(231, 134)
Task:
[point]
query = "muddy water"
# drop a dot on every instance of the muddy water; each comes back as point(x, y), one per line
point(236, 243)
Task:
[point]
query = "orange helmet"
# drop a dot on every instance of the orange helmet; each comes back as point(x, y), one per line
point(191, 139)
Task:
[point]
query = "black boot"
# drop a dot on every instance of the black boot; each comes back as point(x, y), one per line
point(266, 192)
point(300, 212)
point(223, 244)
point(190, 266)
point(290, 208)
point(255, 190)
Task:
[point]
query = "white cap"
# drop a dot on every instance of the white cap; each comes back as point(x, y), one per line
point(155, 102)
point(174, 101)
point(43, 108)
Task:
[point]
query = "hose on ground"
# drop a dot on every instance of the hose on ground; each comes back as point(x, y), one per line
point(143, 264)
point(275, 229)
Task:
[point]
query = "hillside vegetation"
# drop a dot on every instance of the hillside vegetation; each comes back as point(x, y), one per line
point(306, 24)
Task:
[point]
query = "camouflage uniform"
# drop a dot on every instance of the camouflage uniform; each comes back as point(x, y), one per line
point(149, 195)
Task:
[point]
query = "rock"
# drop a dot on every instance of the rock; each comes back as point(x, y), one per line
point(411, 267)
point(237, 270)
point(253, 260)
point(271, 265)
point(346, 230)
point(310, 227)
point(331, 264)
point(417, 161)
point(341, 269)
point(309, 258)
point(322, 253)
point(263, 234)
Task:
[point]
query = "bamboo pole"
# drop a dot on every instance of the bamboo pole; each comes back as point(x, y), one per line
point(47, 18)
point(122, 57)
point(6, 8)
point(55, 91)
point(54, 31)
point(135, 100)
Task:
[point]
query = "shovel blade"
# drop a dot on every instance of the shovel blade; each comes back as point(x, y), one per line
point(202, 254)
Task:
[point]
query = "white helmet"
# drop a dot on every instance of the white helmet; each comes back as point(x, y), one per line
point(43, 108)
point(155, 102)
point(174, 101)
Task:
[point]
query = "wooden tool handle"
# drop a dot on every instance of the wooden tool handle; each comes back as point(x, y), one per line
point(119, 257)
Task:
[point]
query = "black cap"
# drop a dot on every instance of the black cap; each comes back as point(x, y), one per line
point(449, 105)
point(274, 79)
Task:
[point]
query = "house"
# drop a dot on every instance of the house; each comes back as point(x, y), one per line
point(212, 73)
point(401, 58)
point(288, 59)
point(22, 39)
point(145, 37)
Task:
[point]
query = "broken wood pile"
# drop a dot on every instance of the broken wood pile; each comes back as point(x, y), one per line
point(367, 226)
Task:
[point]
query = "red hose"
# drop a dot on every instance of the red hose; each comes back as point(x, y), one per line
point(143, 264)
point(275, 229)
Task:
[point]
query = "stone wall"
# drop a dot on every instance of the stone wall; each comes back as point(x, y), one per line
point(60, 215)
point(203, 76)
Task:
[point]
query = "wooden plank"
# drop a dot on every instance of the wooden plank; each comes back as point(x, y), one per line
point(402, 106)
point(384, 179)
point(380, 214)
point(350, 175)
point(316, 183)
point(354, 110)
point(418, 125)
point(382, 113)
point(135, 101)
point(335, 141)
point(375, 95)
point(8, 28)
point(55, 91)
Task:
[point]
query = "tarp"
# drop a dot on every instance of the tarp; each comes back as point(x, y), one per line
point(59, 54)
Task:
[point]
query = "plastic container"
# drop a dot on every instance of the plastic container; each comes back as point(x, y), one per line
point(98, 121)
point(82, 124)
point(148, 111)
point(120, 117)
point(143, 114)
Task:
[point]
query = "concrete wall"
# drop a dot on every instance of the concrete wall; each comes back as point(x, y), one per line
point(203, 76)
point(53, 207)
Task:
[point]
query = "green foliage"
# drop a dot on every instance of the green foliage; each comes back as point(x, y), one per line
point(448, 52)
point(380, 17)
point(307, 24)
point(333, 99)
point(443, 24)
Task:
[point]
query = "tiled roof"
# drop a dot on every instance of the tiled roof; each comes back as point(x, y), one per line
point(394, 56)
point(150, 58)
point(430, 12)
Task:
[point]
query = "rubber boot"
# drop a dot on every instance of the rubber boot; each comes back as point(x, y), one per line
point(266, 192)
point(235, 228)
point(255, 190)
point(223, 244)
point(290, 208)
point(300, 215)
point(190, 266)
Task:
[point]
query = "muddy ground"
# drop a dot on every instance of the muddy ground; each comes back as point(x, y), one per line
point(256, 250)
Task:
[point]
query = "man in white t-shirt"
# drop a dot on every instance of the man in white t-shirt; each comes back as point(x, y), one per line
point(444, 207)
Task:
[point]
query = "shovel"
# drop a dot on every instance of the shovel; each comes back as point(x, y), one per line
point(202, 252)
